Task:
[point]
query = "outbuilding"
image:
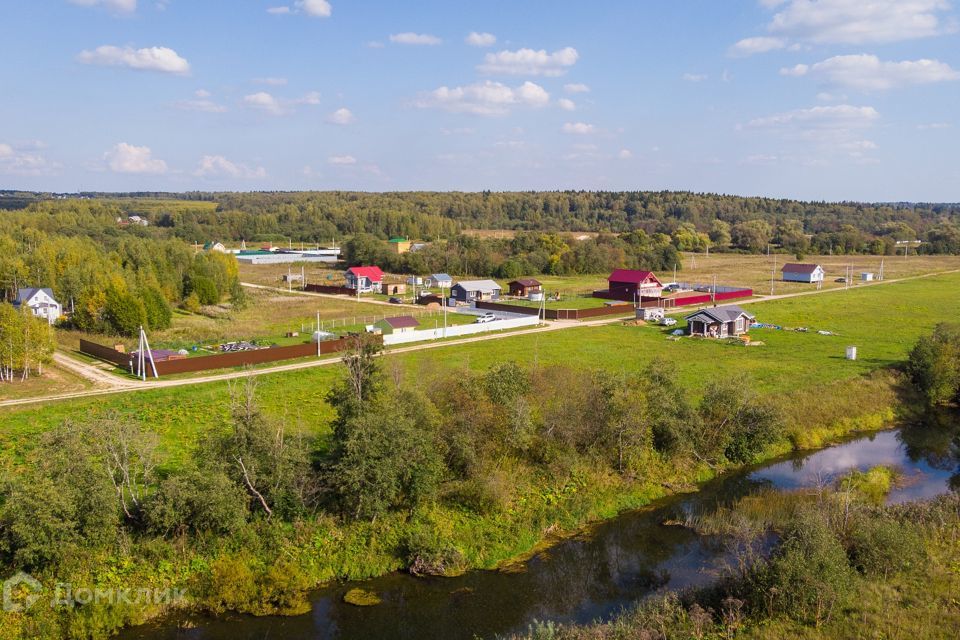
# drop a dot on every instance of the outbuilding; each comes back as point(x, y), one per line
point(40, 301)
point(398, 324)
point(719, 322)
point(800, 272)
point(628, 284)
point(438, 280)
point(523, 287)
point(651, 314)
point(474, 290)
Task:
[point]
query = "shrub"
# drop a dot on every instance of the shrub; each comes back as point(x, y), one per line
point(206, 290)
point(428, 552)
point(156, 307)
point(882, 545)
point(198, 501)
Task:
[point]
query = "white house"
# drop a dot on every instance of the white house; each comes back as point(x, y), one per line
point(809, 273)
point(40, 302)
point(438, 280)
point(364, 279)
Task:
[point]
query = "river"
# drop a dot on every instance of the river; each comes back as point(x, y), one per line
point(592, 576)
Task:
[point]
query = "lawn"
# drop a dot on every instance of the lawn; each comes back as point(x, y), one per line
point(55, 379)
point(882, 321)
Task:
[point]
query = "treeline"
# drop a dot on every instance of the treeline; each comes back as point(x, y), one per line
point(527, 253)
point(394, 454)
point(110, 279)
point(693, 221)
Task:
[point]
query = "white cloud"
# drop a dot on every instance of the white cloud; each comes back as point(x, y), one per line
point(20, 160)
point(868, 73)
point(202, 93)
point(342, 160)
point(530, 62)
point(858, 22)
point(576, 87)
point(116, 6)
point(624, 154)
point(374, 44)
point(481, 39)
point(578, 128)
point(264, 102)
point(220, 167)
point(848, 22)
point(204, 105)
point(311, 98)
point(408, 37)
point(485, 98)
point(161, 59)
point(841, 116)
point(694, 77)
point(128, 158)
point(341, 116)
point(758, 44)
point(567, 104)
point(271, 81)
point(312, 8)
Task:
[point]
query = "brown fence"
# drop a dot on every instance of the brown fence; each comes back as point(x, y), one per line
point(104, 353)
point(328, 288)
point(220, 360)
point(558, 314)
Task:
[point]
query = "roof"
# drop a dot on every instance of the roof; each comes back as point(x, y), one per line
point(794, 267)
point(398, 239)
point(478, 285)
point(402, 322)
point(26, 293)
point(632, 276)
point(446, 277)
point(526, 282)
point(728, 313)
point(374, 273)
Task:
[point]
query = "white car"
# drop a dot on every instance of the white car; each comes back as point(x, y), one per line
point(668, 322)
point(487, 317)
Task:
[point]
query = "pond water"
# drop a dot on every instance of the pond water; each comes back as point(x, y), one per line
point(593, 576)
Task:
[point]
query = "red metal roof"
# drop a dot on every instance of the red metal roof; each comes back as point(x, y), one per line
point(374, 273)
point(793, 267)
point(632, 276)
point(402, 322)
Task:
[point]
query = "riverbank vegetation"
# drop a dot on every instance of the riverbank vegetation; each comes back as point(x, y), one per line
point(839, 565)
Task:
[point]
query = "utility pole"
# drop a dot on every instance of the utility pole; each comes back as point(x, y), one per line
point(773, 273)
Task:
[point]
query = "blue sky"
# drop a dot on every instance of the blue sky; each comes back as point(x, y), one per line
point(815, 99)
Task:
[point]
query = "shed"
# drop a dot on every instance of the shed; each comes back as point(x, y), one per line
point(627, 284)
point(523, 287)
point(397, 324)
point(651, 314)
point(399, 245)
point(719, 322)
point(474, 290)
point(393, 288)
point(438, 280)
point(866, 276)
point(800, 272)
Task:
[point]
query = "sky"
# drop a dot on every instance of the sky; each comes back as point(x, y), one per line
point(810, 99)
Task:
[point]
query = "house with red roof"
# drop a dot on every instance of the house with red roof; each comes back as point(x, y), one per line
point(630, 284)
point(397, 324)
point(364, 279)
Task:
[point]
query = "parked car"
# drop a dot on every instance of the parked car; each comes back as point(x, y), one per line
point(668, 322)
point(487, 317)
point(841, 280)
point(395, 301)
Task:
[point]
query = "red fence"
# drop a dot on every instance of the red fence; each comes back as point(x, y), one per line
point(220, 360)
point(558, 314)
point(702, 298)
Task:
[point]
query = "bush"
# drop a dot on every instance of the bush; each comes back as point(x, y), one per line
point(206, 290)
point(157, 309)
point(428, 552)
point(229, 585)
point(197, 501)
point(881, 545)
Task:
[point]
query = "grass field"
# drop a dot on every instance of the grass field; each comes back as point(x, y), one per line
point(883, 321)
point(55, 379)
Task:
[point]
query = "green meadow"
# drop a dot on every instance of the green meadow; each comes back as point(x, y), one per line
point(882, 321)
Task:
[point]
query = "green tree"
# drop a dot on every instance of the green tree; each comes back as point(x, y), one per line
point(123, 312)
point(156, 307)
point(205, 289)
point(934, 364)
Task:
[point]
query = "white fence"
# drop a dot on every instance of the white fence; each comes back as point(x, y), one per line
point(461, 330)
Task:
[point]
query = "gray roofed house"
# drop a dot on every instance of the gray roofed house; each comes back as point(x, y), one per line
point(439, 280)
point(473, 290)
point(40, 301)
point(719, 322)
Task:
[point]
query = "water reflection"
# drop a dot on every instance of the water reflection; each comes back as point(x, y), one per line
point(593, 576)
